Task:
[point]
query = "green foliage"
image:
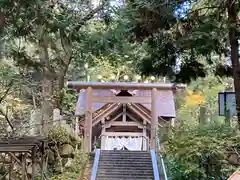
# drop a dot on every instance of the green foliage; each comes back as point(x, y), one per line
point(201, 32)
point(69, 101)
point(209, 87)
point(58, 135)
point(201, 152)
point(50, 41)
point(75, 170)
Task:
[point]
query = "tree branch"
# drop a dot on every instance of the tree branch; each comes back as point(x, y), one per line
point(6, 92)
point(65, 42)
point(202, 8)
point(7, 119)
point(89, 16)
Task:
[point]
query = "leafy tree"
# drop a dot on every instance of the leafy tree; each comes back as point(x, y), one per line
point(194, 38)
point(51, 29)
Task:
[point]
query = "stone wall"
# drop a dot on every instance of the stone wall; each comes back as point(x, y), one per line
point(38, 126)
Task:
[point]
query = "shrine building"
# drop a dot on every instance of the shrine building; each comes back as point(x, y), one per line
point(123, 116)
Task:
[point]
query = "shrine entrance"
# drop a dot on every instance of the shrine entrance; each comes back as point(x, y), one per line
point(125, 116)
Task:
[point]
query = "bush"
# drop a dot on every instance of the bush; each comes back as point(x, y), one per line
point(59, 135)
point(201, 152)
point(76, 170)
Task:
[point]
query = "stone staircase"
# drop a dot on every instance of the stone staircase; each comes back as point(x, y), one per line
point(125, 165)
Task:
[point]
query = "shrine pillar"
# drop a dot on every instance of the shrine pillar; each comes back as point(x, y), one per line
point(154, 118)
point(88, 121)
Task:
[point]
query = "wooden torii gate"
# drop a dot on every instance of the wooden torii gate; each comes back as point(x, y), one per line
point(90, 98)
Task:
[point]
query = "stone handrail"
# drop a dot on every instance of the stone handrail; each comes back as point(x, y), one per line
point(95, 164)
point(161, 161)
point(154, 165)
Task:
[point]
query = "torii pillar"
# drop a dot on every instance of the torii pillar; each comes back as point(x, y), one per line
point(88, 121)
point(154, 118)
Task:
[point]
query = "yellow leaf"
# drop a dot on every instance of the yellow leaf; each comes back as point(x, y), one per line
point(194, 99)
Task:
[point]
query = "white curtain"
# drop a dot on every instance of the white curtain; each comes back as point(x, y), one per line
point(131, 143)
point(109, 143)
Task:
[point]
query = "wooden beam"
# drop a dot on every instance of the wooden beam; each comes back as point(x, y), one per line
point(123, 134)
point(34, 149)
point(139, 114)
point(105, 110)
point(141, 110)
point(121, 99)
point(108, 124)
point(154, 120)
point(88, 121)
point(119, 123)
point(23, 160)
point(102, 132)
point(140, 125)
point(43, 167)
point(144, 122)
point(15, 149)
point(104, 115)
point(145, 142)
point(124, 113)
point(123, 85)
point(131, 117)
point(103, 120)
point(10, 168)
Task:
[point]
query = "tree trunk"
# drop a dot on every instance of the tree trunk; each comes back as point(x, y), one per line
point(232, 20)
point(2, 41)
point(47, 84)
point(60, 93)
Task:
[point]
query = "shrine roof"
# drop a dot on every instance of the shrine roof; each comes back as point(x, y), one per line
point(165, 101)
point(22, 144)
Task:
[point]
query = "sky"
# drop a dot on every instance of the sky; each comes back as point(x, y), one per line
point(179, 12)
point(112, 2)
point(182, 10)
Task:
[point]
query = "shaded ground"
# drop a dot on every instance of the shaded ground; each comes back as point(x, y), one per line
point(87, 172)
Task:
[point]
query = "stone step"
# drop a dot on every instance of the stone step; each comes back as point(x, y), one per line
point(122, 155)
point(120, 151)
point(128, 161)
point(115, 165)
point(144, 161)
point(108, 166)
point(122, 178)
point(126, 173)
point(125, 157)
point(125, 165)
point(126, 154)
point(144, 178)
point(136, 177)
point(133, 171)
